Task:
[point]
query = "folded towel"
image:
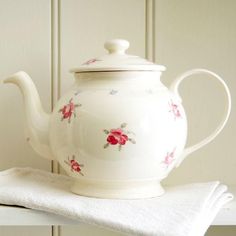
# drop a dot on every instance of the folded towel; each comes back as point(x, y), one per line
point(181, 211)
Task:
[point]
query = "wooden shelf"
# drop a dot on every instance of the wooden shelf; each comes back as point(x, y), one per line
point(14, 215)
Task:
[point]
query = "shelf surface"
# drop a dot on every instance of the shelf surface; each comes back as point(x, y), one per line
point(15, 215)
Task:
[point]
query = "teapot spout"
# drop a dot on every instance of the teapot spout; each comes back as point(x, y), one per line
point(37, 120)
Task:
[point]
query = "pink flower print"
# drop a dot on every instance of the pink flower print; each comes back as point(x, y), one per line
point(118, 136)
point(175, 110)
point(75, 166)
point(91, 61)
point(169, 158)
point(68, 110)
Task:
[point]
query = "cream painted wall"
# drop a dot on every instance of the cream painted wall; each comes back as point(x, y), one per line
point(46, 36)
point(24, 45)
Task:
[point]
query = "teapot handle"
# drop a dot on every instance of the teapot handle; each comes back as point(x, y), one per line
point(174, 88)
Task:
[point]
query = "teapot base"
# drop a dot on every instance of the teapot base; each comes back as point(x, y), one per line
point(118, 190)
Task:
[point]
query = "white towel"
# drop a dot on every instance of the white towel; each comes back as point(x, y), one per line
point(182, 211)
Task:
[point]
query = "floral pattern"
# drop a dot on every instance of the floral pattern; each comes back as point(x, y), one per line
point(174, 109)
point(118, 136)
point(91, 61)
point(169, 158)
point(68, 110)
point(74, 165)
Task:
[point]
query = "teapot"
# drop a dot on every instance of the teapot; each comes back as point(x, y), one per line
point(118, 131)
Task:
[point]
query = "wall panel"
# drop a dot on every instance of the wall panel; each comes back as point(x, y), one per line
point(192, 34)
point(86, 25)
point(24, 45)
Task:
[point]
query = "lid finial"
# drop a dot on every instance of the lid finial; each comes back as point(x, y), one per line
point(117, 46)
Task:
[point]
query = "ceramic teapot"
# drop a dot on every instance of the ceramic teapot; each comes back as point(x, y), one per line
point(118, 131)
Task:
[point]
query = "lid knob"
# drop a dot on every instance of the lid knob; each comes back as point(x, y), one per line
point(117, 46)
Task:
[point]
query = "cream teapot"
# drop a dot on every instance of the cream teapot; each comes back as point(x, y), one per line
point(118, 131)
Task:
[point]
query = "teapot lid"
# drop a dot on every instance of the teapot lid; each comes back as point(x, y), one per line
point(118, 60)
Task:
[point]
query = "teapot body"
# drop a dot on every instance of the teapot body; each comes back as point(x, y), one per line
point(118, 133)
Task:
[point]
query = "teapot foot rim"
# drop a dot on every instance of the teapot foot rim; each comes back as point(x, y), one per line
point(123, 190)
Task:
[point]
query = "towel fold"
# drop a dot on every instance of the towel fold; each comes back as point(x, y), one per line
point(186, 210)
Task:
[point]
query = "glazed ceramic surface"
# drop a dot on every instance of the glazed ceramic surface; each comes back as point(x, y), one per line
point(118, 131)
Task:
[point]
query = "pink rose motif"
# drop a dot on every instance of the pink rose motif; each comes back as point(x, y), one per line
point(74, 165)
point(91, 61)
point(68, 110)
point(174, 109)
point(118, 136)
point(169, 158)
